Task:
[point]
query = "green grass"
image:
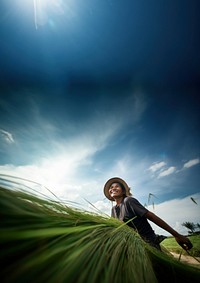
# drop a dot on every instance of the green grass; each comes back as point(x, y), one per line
point(42, 240)
point(171, 245)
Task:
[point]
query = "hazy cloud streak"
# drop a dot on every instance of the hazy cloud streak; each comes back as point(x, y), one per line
point(7, 136)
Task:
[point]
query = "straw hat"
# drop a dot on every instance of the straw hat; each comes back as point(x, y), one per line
point(115, 180)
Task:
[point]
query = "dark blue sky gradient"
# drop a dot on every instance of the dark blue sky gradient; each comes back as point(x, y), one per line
point(148, 42)
point(116, 81)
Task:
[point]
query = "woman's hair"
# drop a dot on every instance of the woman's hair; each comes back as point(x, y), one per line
point(123, 188)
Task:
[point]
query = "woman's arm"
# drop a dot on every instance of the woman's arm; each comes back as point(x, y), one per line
point(183, 241)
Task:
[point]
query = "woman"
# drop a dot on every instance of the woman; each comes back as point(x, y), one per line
point(129, 209)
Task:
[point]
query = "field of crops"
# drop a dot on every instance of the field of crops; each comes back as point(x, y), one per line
point(171, 245)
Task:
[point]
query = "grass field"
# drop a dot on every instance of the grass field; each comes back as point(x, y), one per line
point(171, 245)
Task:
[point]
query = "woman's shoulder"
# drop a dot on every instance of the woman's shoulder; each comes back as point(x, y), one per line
point(130, 199)
point(134, 205)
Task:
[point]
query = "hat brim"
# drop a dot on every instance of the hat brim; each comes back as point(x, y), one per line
point(115, 180)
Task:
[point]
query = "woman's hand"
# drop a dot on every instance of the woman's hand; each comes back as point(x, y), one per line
point(184, 242)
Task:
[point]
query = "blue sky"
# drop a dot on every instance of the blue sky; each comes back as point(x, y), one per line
point(96, 89)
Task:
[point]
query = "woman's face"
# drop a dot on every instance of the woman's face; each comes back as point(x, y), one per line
point(116, 191)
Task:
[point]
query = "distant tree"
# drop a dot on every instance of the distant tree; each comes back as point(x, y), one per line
point(191, 226)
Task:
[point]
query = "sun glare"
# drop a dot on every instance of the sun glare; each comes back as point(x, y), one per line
point(42, 9)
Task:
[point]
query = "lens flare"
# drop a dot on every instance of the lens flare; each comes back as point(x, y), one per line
point(43, 9)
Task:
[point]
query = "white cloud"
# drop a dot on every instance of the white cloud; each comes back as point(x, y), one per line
point(58, 162)
point(7, 136)
point(44, 179)
point(191, 163)
point(156, 166)
point(102, 207)
point(167, 172)
point(61, 166)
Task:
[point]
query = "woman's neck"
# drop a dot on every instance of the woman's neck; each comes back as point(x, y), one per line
point(119, 200)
